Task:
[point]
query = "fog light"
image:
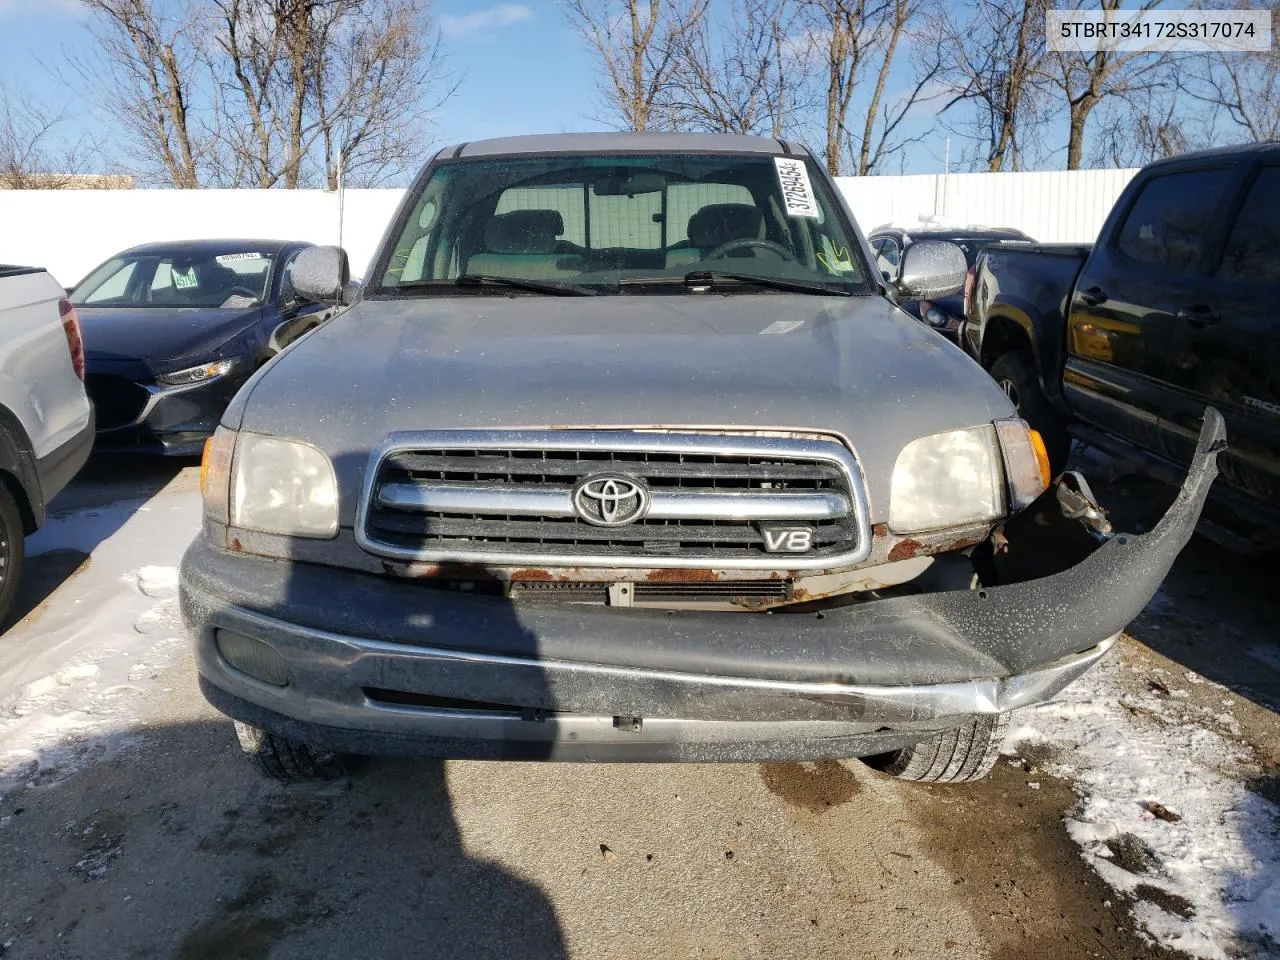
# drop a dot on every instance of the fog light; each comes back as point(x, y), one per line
point(259, 660)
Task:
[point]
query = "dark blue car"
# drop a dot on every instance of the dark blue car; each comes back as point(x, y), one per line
point(172, 330)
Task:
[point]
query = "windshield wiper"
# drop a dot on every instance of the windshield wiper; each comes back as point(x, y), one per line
point(698, 278)
point(554, 287)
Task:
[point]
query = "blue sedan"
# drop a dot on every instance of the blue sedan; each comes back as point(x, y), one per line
point(172, 331)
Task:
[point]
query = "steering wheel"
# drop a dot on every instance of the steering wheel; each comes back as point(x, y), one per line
point(243, 292)
point(749, 243)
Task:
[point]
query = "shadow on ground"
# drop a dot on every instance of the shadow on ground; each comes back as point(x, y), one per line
point(147, 854)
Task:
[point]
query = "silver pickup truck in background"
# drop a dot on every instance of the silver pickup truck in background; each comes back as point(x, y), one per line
point(625, 451)
point(46, 421)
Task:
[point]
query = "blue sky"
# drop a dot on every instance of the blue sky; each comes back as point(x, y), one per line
point(523, 68)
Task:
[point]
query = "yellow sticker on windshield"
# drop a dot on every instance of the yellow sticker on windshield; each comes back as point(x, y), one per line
point(185, 281)
point(835, 260)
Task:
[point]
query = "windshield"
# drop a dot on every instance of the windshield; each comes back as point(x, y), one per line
point(618, 223)
point(229, 280)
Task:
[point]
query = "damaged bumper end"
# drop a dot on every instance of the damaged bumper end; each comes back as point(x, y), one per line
point(365, 664)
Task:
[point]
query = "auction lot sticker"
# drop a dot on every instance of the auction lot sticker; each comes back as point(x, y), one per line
point(797, 192)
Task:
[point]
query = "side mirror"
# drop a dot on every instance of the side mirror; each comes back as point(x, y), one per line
point(931, 268)
point(321, 274)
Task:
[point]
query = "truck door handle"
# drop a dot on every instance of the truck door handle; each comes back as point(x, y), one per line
point(1201, 315)
point(1093, 296)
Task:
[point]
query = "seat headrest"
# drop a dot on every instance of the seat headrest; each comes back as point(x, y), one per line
point(721, 222)
point(523, 231)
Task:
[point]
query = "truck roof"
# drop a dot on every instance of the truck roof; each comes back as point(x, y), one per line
point(1238, 150)
point(210, 247)
point(619, 142)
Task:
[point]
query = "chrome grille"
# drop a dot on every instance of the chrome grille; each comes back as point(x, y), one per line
point(507, 497)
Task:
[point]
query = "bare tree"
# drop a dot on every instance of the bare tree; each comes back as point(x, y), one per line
point(1086, 79)
point(748, 78)
point(1153, 120)
point(1242, 89)
point(271, 93)
point(840, 28)
point(994, 64)
point(872, 148)
point(855, 43)
point(1130, 135)
point(145, 75)
point(33, 154)
point(638, 45)
point(308, 84)
point(382, 83)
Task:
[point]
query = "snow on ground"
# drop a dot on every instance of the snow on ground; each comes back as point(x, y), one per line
point(1164, 816)
point(80, 665)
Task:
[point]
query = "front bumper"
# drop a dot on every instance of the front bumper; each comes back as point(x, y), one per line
point(174, 421)
point(378, 665)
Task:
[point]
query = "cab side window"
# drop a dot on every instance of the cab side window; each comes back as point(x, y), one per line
point(1173, 218)
point(886, 251)
point(288, 292)
point(1252, 252)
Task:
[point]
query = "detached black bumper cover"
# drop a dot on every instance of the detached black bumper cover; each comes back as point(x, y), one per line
point(377, 665)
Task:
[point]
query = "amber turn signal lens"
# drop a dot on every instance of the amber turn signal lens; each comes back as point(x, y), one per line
point(1042, 458)
point(1026, 464)
point(215, 473)
point(204, 466)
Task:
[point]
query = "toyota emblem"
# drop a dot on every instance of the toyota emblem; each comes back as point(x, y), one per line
point(610, 499)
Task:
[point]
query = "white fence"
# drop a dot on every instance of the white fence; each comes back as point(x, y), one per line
point(71, 231)
point(1060, 207)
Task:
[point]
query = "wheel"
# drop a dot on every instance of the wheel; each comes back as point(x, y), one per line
point(11, 552)
point(1016, 374)
point(961, 755)
point(289, 761)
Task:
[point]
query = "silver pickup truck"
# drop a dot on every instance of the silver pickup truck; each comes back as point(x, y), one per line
point(46, 422)
point(625, 452)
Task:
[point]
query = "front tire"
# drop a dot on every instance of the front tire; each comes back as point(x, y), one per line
point(1016, 374)
point(289, 761)
point(12, 537)
point(961, 755)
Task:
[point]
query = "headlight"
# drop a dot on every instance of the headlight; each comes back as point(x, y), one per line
point(206, 371)
point(967, 476)
point(936, 318)
point(946, 480)
point(282, 486)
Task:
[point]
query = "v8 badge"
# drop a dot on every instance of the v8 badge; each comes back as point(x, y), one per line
point(786, 537)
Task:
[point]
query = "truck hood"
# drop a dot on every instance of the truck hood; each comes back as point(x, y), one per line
point(858, 367)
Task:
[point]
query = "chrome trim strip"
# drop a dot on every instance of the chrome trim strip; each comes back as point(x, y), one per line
point(461, 498)
point(156, 393)
point(630, 441)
